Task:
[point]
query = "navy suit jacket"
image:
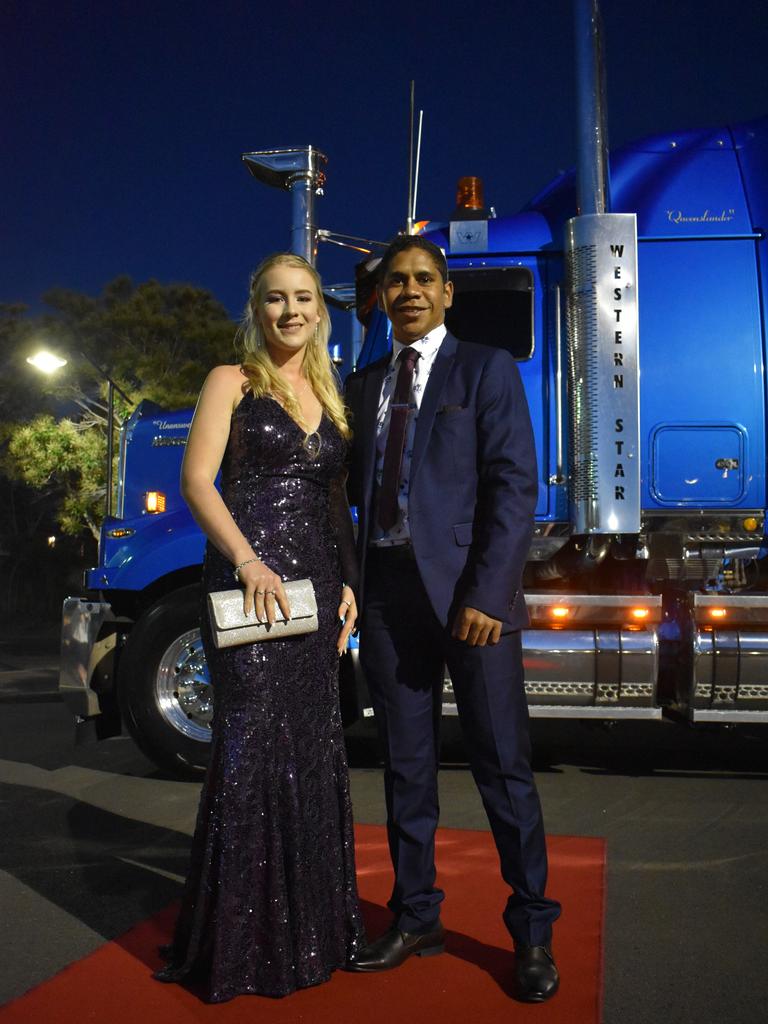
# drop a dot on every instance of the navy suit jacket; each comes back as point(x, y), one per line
point(473, 479)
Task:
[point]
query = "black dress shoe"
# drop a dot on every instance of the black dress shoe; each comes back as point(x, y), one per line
point(394, 948)
point(535, 973)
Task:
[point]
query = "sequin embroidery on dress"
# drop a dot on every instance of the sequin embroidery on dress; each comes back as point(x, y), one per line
point(270, 903)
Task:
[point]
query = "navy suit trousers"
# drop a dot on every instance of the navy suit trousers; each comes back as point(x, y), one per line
point(403, 648)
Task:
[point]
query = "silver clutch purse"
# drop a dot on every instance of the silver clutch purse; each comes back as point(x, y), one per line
point(230, 627)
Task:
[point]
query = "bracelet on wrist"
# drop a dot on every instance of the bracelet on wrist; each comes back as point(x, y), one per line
point(236, 570)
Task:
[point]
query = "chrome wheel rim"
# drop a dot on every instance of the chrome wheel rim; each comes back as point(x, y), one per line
point(183, 688)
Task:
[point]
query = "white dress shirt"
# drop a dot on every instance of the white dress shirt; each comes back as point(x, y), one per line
point(427, 347)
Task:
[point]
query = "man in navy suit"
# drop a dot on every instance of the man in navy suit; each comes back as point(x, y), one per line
point(444, 479)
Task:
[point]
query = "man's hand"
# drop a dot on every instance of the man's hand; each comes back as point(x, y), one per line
point(476, 628)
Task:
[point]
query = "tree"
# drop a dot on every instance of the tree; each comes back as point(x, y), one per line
point(20, 509)
point(67, 457)
point(156, 341)
point(161, 340)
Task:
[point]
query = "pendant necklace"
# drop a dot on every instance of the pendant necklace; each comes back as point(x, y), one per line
point(312, 442)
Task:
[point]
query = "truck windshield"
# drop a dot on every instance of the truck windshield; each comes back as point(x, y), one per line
point(494, 306)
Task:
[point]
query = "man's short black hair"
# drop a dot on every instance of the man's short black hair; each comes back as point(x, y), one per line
point(405, 242)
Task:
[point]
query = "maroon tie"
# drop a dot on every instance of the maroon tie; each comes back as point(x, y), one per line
point(393, 453)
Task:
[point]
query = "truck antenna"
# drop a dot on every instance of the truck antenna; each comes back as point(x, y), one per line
point(416, 172)
point(409, 211)
point(413, 163)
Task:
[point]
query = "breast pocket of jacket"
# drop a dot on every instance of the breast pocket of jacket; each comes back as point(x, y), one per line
point(454, 429)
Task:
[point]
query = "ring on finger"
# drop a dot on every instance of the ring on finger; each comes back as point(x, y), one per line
point(261, 591)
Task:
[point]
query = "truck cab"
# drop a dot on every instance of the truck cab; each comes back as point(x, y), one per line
point(667, 617)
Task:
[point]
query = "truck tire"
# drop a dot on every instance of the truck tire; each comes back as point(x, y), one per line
point(164, 690)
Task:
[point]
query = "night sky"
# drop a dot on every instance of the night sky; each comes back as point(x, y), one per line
point(123, 123)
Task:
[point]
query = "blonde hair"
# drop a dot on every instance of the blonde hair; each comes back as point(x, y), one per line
point(317, 367)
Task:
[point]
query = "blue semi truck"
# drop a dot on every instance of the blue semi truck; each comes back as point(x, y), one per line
point(641, 339)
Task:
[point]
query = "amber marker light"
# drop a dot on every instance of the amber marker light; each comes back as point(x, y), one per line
point(640, 613)
point(750, 524)
point(559, 611)
point(154, 501)
point(717, 613)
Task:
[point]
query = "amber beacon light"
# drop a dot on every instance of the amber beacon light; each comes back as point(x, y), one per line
point(154, 501)
point(469, 194)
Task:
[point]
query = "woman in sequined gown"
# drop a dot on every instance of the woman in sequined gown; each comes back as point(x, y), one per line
point(270, 903)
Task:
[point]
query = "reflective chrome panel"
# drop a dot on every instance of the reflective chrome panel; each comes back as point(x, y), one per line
point(739, 609)
point(592, 609)
point(604, 712)
point(639, 665)
point(753, 674)
point(730, 670)
point(82, 653)
point(603, 371)
point(560, 666)
point(608, 668)
point(731, 715)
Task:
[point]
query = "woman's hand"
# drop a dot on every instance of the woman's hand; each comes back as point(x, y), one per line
point(348, 615)
point(264, 591)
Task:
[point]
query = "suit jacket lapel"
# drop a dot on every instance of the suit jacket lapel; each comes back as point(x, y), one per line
point(429, 403)
point(371, 395)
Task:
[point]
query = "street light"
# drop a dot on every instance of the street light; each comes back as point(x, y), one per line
point(49, 362)
point(46, 362)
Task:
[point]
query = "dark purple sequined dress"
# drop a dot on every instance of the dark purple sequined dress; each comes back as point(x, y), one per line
point(270, 904)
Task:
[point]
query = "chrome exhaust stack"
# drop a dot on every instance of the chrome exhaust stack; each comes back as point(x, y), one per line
point(601, 319)
point(300, 172)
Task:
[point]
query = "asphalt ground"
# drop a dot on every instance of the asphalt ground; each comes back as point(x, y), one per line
point(94, 838)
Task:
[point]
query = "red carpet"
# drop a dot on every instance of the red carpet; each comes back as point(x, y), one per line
point(469, 984)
